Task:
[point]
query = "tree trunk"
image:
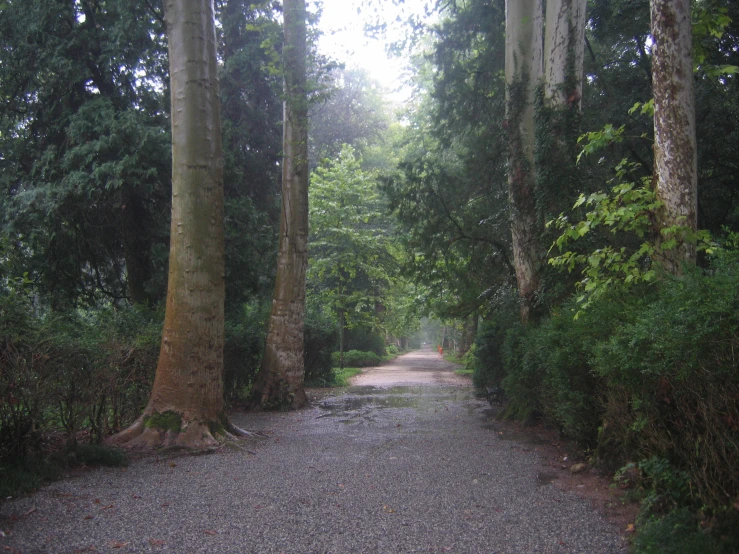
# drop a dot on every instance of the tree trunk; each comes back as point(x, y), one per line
point(558, 112)
point(342, 338)
point(136, 249)
point(675, 152)
point(186, 407)
point(523, 69)
point(564, 49)
point(279, 383)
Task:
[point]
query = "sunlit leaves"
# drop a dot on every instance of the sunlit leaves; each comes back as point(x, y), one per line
point(629, 208)
point(351, 261)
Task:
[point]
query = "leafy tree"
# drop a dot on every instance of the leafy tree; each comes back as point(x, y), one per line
point(351, 262)
point(85, 148)
point(251, 99)
point(353, 113)
point(450, 194)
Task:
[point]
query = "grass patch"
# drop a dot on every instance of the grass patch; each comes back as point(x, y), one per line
point(341, 377)
point(100, 455)
point(453, 358)
point(468, 372)
point(20, 478)
point(25, 476)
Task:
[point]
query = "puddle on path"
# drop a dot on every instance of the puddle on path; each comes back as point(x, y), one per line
point(368, 398)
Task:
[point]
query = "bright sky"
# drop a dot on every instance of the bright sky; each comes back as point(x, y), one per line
point(344, 39)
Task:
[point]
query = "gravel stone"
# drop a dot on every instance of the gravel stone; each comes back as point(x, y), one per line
point(403, 464)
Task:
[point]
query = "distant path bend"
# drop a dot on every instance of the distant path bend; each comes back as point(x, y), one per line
point(421, 367)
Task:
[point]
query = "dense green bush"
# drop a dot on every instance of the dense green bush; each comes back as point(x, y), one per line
point(357, 358)
point(648, 376)
point(245, 333)
point(392, 350)
point(365, 340)
point(485, 358)
point(321, 337)
point(82, 371)
point(676, 364)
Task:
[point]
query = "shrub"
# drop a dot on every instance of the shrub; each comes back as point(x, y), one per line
point(25, 388)
point(485, 358)
point(677, 368)
point(321, 336)
point(245, 333)
point(392, 350)
point(522, 381)
point(365, 340)
point(357, 358)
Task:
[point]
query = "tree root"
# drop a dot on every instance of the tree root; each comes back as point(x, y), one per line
point(191, 435)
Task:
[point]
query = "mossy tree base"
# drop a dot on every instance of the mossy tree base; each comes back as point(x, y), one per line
point(155, 431)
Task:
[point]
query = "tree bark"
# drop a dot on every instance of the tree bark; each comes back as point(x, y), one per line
point(675, 152)
point(135, 247)
point(186, 406)
point(564, 50)
point(523, 69)
point(279, 383)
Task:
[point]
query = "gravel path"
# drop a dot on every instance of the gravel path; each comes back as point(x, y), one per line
point(405, 463)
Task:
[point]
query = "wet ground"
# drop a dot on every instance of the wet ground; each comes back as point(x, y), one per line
point(407, 460)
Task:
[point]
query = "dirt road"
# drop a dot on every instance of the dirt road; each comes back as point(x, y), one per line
point(424, 367)
point(407, 460)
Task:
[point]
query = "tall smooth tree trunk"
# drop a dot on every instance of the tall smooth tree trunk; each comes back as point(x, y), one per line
point(564, 50)
point(675, 152)
point(186, 407)
point(279, 383)
point(558, 113)
point(523, 69)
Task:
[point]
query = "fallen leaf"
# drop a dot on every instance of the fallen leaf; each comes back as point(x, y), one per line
point(136, 496)
point(388, 510)
point(89, 517)
point(108, 507)
point(578, 468)
point(165, 505)
point(172, 464)
point(118, 544)
point(210, 532)
point(29, 512)
point(157, 542)
point(630, 528)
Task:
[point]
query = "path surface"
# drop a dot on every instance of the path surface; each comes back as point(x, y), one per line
point(404, 461)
